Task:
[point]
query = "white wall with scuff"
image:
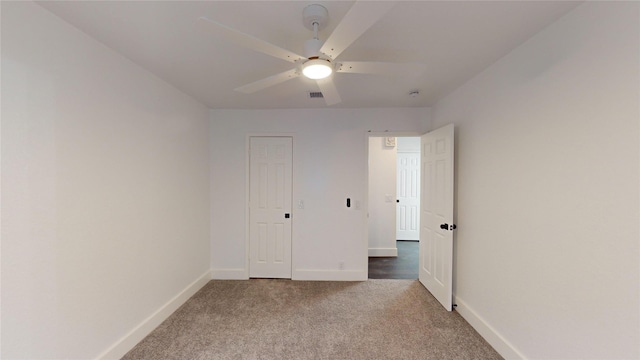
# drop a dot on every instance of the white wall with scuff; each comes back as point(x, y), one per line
point(105, 183)
point(547, 246)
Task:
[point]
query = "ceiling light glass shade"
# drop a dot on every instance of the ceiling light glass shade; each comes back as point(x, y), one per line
point(317, 69)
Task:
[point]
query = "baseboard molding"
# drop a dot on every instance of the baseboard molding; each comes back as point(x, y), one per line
point(330, 275)
point(383, 252)
point(131, 339)
point(229, 274)
point(317, 275)
point(502, 346)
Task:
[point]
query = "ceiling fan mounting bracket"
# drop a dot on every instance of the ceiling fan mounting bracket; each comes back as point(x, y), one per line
point(315, 13)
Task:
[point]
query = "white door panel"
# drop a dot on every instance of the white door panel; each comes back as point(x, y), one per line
point(436, 239)
point(408, 197)
point(270, 188)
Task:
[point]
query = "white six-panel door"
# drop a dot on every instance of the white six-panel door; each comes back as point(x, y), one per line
point(408, 196)
point(270, 190)
point(436, 208)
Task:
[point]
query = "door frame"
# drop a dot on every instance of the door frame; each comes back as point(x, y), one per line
point(370, 134)
point(247, 176)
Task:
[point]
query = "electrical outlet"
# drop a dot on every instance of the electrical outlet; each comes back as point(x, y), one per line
point(300, 204)
point(341, 265)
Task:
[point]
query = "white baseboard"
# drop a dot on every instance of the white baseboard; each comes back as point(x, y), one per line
point(319, 275)
point(330, 275)
point(229, 274)
point(131, 339)
point(383, 252)
point(499, 343)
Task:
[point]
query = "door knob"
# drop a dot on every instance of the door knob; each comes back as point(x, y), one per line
point(446, 226)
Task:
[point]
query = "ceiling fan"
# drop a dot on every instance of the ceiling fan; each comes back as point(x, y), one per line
point(319, 61)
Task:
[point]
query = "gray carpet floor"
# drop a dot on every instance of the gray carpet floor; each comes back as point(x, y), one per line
point(284, 319)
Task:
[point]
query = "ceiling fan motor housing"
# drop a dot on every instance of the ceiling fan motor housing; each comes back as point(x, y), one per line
point(312, 48)
point(315, 14)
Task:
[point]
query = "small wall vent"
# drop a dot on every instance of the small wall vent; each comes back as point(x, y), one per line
point(315, 95)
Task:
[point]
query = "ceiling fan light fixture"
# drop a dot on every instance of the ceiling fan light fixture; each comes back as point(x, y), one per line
point(317, 69)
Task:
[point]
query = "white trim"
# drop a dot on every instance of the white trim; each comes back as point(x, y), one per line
point(383, 252)
point(497, 341)
point(247, 210)
point(330, 275)
point(133, 337)
point(229, 274)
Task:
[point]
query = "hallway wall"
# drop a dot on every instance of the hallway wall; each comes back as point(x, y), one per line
point(382, 196)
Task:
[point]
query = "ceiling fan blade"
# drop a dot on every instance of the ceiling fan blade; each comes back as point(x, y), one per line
point(329, 91)
point(246, 40)
point(270, 81)
point(381, 68)
point(358, 19)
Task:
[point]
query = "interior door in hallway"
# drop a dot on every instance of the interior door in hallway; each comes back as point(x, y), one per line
point(436, 219)
point(270, 188)
point(408, 196)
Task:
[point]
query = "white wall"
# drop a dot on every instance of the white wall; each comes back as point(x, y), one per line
point(105, 183)
point(408, 144)
point(547, 253)
point(382, 198)
point(329, 165)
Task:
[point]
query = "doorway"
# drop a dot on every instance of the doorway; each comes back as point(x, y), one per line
point(436, 210)
point(394, 207)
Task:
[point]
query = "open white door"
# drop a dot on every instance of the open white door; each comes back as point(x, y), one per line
point(270, 168)
point(436, 214)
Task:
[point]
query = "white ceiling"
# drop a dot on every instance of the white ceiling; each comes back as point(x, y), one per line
point(455, 40)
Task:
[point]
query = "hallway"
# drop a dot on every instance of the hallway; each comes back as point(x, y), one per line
point(404, 266)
